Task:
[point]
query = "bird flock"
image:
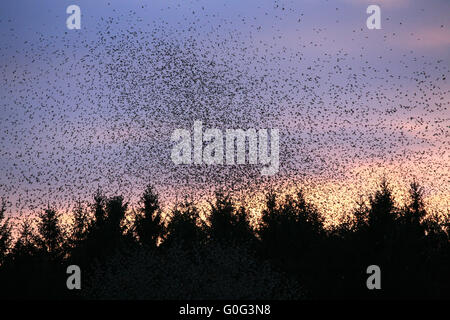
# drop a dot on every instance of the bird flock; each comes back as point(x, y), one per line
point(95, 108)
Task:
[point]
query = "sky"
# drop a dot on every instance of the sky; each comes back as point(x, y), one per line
point(96, 107)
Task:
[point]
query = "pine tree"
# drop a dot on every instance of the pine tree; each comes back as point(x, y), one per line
point(5, 233)
point(26, 244)
point(149, 223)
point(382, 211)
point(227, 223)
point(185, 227)
point(415, 209)
point(80, 224)
point(361, 213)
point(99, 210)
point(308, 217)
point(268, 227)
point(115, 211)
point(50, 232)
point(221, 218)
point(243, 229)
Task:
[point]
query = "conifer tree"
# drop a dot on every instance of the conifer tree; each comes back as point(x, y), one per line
point(5, 232)
point(149, 223)
point(50, 232)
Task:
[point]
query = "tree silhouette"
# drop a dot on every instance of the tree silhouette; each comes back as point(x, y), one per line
point(308, 217)
point(415, 209)
point(292, 237)
point(293, 224)
point(244, 232)
point(115, 210)
point(149, 225)
point(5, 233)
point(222, 219)
point(269, 227)
point(80, 224)
point(105, 232)
point(227, 223)
point(50, 238)
point(382, 212)
point(361, 214)
point(99, 210)
point(185, 227)
point(26, 244)
point(291, 254)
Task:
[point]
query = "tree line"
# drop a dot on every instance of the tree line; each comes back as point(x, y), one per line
point(288, 254)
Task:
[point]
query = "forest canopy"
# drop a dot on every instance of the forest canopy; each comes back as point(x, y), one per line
point(287, 254)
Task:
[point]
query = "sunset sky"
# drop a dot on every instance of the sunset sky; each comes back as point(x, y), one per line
point(96, 107)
